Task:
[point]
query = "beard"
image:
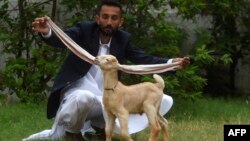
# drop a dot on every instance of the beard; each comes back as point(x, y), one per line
point(107, 30)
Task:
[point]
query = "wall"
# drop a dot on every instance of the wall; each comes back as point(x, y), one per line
point(2, 59)
point(242, 78)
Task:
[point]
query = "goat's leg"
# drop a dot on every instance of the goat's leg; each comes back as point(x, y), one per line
point(163, 123)
point(155, 127)
point(122, 115)
point(109, 128)
point(164, 126)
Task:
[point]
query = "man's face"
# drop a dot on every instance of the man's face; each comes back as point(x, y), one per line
point(109, 20)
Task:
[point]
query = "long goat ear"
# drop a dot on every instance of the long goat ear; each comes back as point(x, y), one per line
point(75, 48)
point(149, 69)
point(84, 55)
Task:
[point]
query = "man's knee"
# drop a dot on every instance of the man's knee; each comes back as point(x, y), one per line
point(166, 104)
point(74, 110)
point(84, 98)
point(170, 100)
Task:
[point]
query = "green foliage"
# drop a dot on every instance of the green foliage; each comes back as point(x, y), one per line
point(203, 55)
point(229, 30)
point(30, 64)
point(79, 10)
point(226, 59)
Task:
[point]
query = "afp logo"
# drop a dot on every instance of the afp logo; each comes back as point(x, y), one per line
point(236, 132)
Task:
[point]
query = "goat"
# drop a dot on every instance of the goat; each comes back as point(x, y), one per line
point(120, 100)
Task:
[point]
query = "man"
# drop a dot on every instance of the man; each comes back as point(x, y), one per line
point(76, 95)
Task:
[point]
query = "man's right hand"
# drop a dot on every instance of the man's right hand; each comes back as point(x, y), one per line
point(184, 62)
point(40, 25)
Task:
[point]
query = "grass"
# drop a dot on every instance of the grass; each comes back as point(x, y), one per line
point(19, 120)
point(201, 120)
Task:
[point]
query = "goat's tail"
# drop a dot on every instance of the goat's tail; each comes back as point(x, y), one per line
point(159, 80)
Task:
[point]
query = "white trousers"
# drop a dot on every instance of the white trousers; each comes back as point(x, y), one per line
point(81, 106)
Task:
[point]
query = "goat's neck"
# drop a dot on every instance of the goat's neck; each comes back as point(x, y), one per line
point(110, 79)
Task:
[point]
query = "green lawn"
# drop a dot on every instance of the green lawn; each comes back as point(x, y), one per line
point(201, 120)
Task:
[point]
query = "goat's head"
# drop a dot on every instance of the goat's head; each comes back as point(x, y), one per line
point(107, 62)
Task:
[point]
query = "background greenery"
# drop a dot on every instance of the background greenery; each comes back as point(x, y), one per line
point(31, 65)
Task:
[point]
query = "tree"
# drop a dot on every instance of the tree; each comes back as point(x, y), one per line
point(228, 41)
point(30, 64)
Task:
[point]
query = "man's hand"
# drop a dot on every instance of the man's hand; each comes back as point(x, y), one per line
point(184, 62)
point(40, 25)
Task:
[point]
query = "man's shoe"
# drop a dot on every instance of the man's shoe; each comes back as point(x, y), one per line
point(98, 135)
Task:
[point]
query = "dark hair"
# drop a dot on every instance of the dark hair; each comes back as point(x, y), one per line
point(115, 3)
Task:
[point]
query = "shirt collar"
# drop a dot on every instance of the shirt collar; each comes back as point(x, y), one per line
point(108, 44)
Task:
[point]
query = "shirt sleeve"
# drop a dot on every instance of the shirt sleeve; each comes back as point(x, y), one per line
point(170, 61)
point(48, 35)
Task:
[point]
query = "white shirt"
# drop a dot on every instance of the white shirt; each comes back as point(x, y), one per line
point(95, 70)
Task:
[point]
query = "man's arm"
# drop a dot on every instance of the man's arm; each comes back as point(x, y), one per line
point(138, 56)
point(40, 25)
